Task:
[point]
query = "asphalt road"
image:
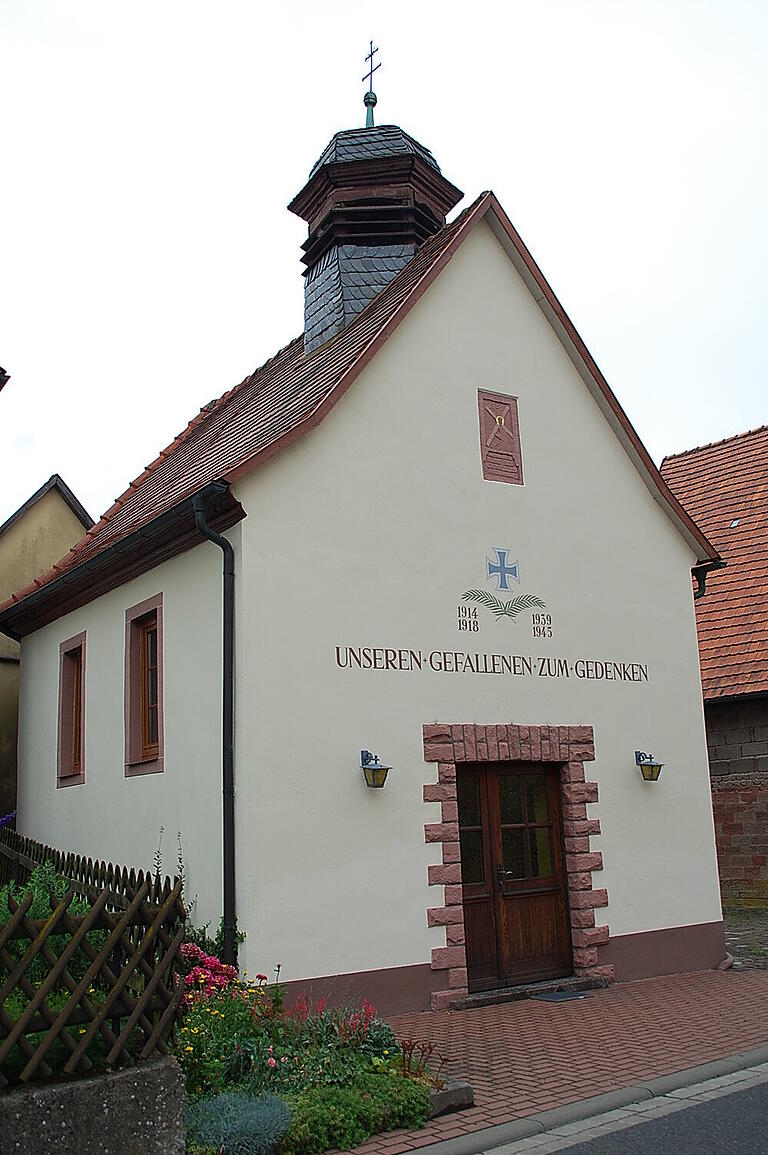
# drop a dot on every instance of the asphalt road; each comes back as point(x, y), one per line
point(735, 1124)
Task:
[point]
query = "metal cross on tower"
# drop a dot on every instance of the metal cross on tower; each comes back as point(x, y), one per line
point(369, 99)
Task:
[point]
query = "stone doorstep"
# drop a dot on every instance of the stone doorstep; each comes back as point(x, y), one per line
point(528, 990)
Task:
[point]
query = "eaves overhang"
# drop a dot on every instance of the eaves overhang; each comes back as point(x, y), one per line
point(166, 536)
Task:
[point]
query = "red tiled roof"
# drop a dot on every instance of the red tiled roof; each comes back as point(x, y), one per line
point(292, 392)
point(719, 485)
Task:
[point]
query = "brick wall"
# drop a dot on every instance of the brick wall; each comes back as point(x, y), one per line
point(737, 737)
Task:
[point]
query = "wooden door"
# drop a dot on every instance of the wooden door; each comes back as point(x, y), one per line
point(515, 900)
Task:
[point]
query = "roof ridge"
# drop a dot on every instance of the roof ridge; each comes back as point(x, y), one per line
point(714, 444)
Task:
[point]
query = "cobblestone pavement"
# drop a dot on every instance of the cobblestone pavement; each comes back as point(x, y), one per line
point(746, 937)
point(526, 1057)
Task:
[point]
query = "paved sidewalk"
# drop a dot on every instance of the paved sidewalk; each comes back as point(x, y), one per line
point(527, 1057)
point(581, 1136)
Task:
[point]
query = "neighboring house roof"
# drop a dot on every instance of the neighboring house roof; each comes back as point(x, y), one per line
point(288, 396)
point(724, 486)
point(61, 487)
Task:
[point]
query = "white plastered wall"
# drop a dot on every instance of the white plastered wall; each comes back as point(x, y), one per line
point(110, 816)
point(366, 532)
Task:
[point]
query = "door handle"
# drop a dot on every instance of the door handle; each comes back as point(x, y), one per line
point(500, 876)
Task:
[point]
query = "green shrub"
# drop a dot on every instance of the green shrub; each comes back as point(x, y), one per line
point(211, 1034)
point(343, 1117)
point(238, 1124)
point(42, 883)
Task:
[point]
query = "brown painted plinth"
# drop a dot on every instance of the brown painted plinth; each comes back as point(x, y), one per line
point(392, 990)
point(138, 1111)
point(665, 952)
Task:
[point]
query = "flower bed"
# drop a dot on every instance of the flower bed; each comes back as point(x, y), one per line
point(299, 1081)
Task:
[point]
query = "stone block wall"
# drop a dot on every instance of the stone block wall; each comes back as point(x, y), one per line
point(737, 737)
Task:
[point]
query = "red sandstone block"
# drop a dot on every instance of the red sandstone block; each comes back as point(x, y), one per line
point(457, 977)
point(454, 895)
point(580, 734)
point(588, 898)
point(572, 772)
point(457, 734)
point(513, 741)
point(579, 862)
point(534, 733)
point(574, 827)
point(440, 875)
point(574, 811)
point(444, 957)
point(582, 918)
point(493, 743)
point(590, 936)
point(580, 792)
point(576, 845)
point(443, 915)
point(606, 974)
point(438, 792)
point(438, 752)
point(504, 755)
point(444, 1000)
point(581, 881)
point(470, 749)
point(482, 747)
point(451, 853)
point(441, 832)
point(583, 956)
point(436, 731)
point(451, 811)
point(454, 934)
point(446, 772)
point(581, 752)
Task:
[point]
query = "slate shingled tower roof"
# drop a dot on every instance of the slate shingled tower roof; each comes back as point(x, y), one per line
point(373, 196)
point(724, 486)
point(371, 144)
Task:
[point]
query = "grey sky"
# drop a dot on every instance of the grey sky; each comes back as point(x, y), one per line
point(148, 150)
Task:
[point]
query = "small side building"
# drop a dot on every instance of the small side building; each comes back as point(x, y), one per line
point(724, 487)
point(38, 534)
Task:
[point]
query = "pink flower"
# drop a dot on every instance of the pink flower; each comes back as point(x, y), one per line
point(272, 1062)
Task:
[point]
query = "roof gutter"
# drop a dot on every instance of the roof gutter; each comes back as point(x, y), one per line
point(700, 572)
point(200, 504)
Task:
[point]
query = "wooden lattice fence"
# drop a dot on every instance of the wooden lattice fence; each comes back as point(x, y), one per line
point(93, 980)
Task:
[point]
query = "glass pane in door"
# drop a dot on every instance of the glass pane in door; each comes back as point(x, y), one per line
point(510, 799)
point(536, 798)
point(513, 850)
point(542, 860)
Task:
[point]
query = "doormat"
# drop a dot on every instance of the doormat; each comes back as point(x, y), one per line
point(560, 996)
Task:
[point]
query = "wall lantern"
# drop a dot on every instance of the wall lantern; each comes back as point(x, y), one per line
point(650, 768)
point(375, 772)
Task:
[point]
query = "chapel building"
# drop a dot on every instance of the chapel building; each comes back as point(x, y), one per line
point(377, 633)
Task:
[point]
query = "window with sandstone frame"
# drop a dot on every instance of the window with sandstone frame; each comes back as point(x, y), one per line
point(70, 760)
point(144, 687)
